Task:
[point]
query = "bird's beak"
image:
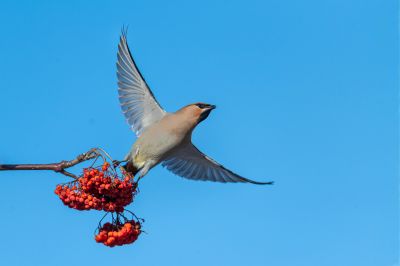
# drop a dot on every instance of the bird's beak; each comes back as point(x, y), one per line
point(212, 107)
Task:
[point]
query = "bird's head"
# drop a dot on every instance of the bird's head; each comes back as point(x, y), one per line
point(204, 109)
point(199, 111)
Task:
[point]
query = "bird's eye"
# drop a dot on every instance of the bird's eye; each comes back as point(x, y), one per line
point(201, 105)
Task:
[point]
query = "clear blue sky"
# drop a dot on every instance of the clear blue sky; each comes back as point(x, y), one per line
point(307, 95)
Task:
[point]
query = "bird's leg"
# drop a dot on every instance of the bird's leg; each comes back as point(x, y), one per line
point(130, 168)
point(116, 163)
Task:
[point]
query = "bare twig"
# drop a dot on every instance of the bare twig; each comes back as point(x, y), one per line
point(57, 167)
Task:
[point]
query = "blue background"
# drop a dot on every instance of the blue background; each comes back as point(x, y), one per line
point(307, 95)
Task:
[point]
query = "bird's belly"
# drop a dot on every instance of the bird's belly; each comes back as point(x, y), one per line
point(155, 147)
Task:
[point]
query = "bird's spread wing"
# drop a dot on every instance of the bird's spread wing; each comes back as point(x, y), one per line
point(191, 163)
point(138, 103)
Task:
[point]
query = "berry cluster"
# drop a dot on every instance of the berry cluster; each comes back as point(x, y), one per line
point(105, 188)
point(115, 194)
point(76, 199)
point(118, 234)
point(98, 189)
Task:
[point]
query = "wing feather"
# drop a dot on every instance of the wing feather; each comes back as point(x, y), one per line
point(137, 101)
point(191, 163)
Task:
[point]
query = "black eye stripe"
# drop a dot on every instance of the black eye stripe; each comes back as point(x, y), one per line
point(201, 105)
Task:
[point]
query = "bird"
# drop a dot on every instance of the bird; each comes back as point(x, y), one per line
point(164, 137)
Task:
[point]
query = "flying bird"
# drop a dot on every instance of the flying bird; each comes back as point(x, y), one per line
point(164, 137)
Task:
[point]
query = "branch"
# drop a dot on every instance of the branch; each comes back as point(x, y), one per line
point(56, 167)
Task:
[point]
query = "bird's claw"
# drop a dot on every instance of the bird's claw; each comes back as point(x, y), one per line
point(116, 163)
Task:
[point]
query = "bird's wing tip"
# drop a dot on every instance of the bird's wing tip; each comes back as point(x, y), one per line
point(268, 183)
point(259, 183)
point(124, 31)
